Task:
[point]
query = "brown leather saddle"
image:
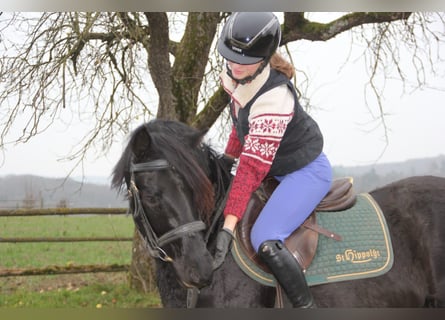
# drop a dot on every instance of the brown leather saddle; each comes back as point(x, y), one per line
point(303, 241)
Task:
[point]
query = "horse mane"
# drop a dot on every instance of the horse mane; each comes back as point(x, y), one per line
point(182, 147)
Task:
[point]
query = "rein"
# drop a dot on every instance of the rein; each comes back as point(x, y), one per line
point(155, 243)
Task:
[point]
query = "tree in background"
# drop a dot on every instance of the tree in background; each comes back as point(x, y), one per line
point(114, 70)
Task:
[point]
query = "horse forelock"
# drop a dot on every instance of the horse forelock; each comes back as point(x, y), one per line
point(189, 161)
point(121, 172)
point(193, 161)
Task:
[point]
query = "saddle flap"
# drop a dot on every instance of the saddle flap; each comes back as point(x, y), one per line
point(244, 227)
point(302, 243)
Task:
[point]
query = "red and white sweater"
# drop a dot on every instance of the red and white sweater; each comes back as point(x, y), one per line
point(268, 120)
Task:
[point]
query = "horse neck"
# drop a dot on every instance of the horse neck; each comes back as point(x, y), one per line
point(220, 177)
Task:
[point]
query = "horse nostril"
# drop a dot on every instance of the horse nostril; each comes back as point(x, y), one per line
point(200, 279)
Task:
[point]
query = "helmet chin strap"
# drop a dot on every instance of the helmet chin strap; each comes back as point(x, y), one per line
point(248, 78)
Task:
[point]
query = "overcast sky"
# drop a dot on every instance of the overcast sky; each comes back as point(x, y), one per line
point(336, 90)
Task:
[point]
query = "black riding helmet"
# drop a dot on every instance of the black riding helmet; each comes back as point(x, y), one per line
point(249, 37)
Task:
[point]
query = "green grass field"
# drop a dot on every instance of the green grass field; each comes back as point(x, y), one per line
point(98, 290)
point(40, 254)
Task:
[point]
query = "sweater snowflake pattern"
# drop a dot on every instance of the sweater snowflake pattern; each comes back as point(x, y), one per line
point(268, 120)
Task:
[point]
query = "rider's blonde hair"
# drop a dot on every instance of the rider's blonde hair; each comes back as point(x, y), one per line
point(278, 62)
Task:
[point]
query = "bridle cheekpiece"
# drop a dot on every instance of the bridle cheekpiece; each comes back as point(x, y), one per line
point(155, 243)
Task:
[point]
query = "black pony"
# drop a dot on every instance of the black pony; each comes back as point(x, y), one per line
point(176, 185)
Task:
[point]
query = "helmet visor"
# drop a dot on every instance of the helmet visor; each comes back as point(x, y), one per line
point(233, 56)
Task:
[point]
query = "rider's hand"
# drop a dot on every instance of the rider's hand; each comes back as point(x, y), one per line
point(223, 245)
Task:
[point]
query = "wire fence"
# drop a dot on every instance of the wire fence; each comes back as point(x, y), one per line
point(62, 269)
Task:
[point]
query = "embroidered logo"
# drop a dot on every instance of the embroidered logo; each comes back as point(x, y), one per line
point(356, 256)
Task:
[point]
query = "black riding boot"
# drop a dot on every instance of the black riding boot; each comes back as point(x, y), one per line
point(288, 273)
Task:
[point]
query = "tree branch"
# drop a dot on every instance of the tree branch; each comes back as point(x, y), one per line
point(212, 110)
point(296, 27)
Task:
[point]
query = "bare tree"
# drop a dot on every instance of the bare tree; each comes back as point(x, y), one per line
point(118, 68)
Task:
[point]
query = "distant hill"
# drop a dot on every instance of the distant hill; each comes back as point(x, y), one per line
point(39, 192)
point(367, 178)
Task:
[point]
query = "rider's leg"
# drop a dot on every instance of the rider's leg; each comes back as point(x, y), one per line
point(294, 199)
point(291, 203)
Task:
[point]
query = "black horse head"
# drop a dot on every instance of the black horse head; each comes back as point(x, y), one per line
point(174, 182)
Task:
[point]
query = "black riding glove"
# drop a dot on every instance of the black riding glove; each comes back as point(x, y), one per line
point(223, 245)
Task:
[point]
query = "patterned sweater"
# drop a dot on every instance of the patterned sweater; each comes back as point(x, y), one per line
point(268, 120)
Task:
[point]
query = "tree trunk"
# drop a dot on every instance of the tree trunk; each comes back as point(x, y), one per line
point(142, 268)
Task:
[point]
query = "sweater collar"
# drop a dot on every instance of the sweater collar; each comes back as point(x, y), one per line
point(243, 93)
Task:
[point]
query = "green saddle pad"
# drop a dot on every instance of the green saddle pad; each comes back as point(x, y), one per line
point(364, 251)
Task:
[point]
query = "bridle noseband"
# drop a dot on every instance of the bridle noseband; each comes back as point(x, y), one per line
point(155, 243)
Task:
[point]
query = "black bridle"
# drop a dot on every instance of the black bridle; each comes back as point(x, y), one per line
point(155, 243)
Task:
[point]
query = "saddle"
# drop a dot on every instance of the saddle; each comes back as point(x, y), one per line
point(303, 241)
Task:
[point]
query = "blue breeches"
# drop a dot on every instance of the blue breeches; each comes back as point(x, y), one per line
point(294, 199)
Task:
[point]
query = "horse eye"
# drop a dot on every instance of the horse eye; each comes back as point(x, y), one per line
point(150, 199)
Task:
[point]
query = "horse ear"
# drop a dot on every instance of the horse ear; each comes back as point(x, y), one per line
point(141, 143)
point(196, 138)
